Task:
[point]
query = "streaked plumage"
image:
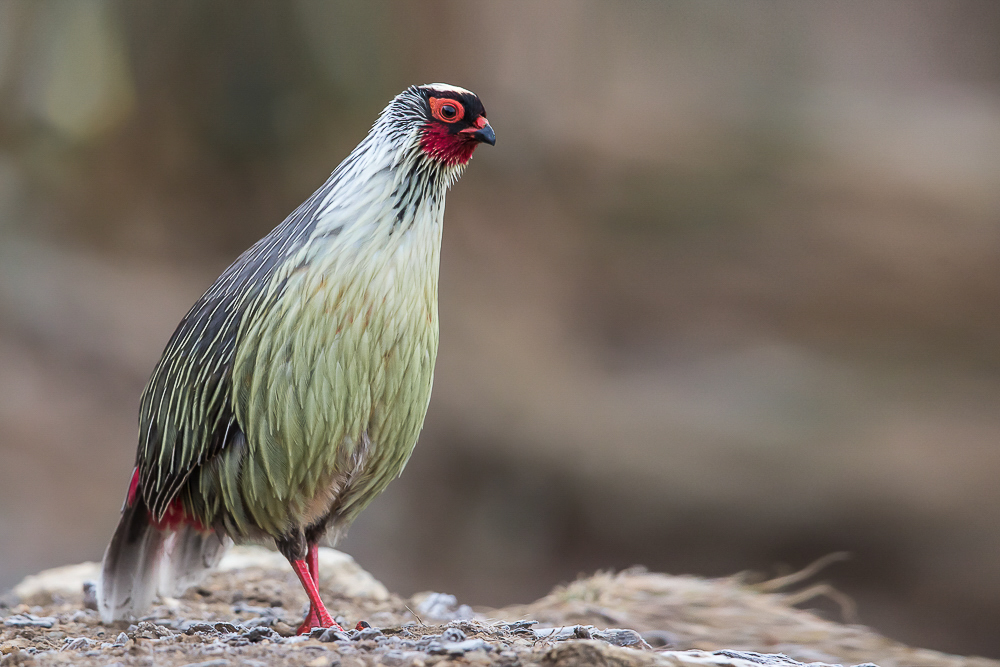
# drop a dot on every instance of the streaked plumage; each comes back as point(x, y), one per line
point(293, 391)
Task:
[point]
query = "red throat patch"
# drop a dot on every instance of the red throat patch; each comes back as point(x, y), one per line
point(451, 149)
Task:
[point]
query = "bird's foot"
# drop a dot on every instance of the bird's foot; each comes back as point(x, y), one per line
point(317, 618)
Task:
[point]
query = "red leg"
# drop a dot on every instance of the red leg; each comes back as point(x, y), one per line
point(313, 560)
point(318, 616)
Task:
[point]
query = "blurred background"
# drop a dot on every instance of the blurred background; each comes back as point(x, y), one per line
point(725, 296)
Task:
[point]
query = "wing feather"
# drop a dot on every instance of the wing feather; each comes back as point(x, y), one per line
point(187, 413)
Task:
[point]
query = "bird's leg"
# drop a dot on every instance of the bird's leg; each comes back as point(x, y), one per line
point(313, 561)
point(303, 554)
point(318, 616)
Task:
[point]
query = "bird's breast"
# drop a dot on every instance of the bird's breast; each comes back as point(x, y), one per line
point(336, 377)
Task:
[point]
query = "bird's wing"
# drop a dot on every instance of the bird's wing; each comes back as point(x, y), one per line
point(186, 413)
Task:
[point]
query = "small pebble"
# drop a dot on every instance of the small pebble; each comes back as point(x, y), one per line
point(29, 621)
point(619, 637)
point(444, 607)
point(243, 608)
point(149, 630)
point(76, 644)
point(260, 633)
point(521, 626)
point(457, 648)
point(198, 627)
point(453, 635)
point(90, 595)
point(659, 638)
point(332, 635)
point(393, 658)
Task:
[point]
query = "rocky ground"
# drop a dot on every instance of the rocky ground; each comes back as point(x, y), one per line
point(245, 614)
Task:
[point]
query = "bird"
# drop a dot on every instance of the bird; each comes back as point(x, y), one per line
point(293, 391)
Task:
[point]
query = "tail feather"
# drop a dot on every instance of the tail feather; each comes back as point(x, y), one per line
point(189, 554)
point(143, 559)
point(128, 574)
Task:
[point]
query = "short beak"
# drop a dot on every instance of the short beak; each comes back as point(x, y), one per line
point(482, 132)
point(485, 134)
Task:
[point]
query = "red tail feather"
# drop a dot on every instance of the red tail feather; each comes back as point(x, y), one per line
point(173, 518)
point(133, 486)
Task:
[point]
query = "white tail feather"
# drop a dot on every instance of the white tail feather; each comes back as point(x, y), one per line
point(142, 560)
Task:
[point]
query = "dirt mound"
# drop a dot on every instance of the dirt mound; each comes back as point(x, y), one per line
point(246, 612)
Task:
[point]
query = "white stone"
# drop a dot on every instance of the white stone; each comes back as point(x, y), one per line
point(67, 579)
point(337, 570)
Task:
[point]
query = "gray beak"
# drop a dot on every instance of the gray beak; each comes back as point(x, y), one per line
point(485, 134)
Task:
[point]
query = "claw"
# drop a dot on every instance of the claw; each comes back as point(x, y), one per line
point(317, 619)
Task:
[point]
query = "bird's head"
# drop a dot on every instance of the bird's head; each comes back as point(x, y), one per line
point(455, 123)
point(447, 122)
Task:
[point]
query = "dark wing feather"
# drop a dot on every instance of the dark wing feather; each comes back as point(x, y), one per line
point(186, 412)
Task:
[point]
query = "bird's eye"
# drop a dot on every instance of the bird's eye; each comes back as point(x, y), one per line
point(448, 111)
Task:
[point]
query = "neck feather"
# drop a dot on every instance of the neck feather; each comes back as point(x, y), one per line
point(387, 184)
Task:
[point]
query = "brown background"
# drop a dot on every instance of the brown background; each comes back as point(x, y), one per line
point(724, 296)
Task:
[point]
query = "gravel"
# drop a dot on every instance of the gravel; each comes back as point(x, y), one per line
point(246, 616)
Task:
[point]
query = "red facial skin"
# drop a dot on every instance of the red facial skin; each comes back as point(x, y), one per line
point(451, 149)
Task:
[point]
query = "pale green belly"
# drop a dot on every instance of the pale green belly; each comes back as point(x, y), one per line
point(333, 397)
